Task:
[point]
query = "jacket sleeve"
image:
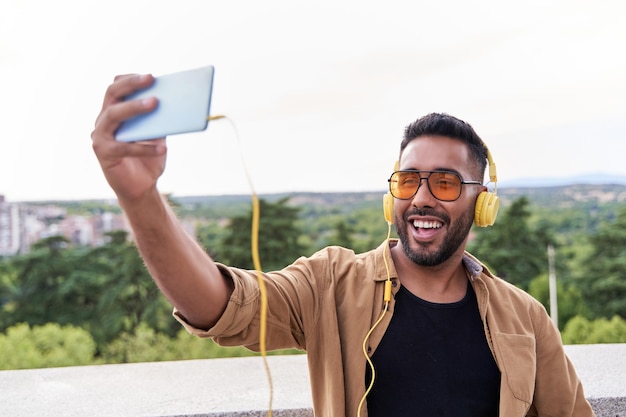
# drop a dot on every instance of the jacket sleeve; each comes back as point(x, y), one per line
point(292, 297)
point(558, 390)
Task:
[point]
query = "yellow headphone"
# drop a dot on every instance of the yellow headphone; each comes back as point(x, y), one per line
point(487, 203)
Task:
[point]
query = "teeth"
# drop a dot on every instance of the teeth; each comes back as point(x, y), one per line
point(426, 225)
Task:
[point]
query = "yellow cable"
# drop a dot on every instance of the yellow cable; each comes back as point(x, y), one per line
point(257, 266)
point(263, 291)
point(387, 299)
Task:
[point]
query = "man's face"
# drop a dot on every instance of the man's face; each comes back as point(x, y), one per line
point(430, 230)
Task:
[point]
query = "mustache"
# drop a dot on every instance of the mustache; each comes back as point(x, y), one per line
point(426, 211)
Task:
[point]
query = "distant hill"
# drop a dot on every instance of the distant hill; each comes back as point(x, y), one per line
point(594, 179)
point(567, 195)
point(557, 196)
point(583, 194)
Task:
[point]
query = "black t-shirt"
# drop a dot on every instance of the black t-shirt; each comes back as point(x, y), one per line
point(434, 361)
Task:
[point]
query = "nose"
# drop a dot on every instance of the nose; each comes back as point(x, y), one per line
point(423, 197)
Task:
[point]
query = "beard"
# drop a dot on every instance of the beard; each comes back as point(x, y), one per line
point(455, 237)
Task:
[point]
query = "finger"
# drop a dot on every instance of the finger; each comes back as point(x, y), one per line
point(119, 76)
point(124, 85)
point(141, 149)
point(111, 117)
point(113, 150)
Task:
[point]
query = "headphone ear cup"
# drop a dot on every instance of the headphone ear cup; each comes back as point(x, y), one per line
point(388, 207)
point(486, 210)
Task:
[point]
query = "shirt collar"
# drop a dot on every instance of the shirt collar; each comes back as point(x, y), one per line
point(473, 267)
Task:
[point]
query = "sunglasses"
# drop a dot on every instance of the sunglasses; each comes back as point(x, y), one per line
point(443, 185)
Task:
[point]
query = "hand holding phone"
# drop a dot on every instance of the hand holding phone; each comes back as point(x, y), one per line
point(184, 104)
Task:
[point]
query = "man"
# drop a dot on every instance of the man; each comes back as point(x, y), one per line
point(443, 336)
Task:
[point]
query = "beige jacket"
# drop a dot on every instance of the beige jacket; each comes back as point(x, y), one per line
point(326, 304)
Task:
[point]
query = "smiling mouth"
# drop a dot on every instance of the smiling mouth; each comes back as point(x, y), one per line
point(421, 224)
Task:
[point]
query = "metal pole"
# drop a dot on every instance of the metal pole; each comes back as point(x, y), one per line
point(554, 310)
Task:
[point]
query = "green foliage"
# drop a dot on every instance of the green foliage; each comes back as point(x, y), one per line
point(513, 250)
point(143, 345)
point(278, 237)
point(213, 207)
point(580, 330)
point(83, 207)
point(127, 295)
point(53, 345)
point(106, 290)
point(570, 302)
point(342, 235)
point(8, 289)
point(210, 234)
point(362, 213)
point(146, 345)
point(50, 345)
point(44, 285)
point(602, 276)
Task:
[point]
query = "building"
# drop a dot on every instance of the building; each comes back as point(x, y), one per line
point(10, 228)
point(21, 225)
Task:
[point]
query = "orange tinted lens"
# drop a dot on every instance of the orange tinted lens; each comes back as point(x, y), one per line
point(445, 186)
point(404, 184)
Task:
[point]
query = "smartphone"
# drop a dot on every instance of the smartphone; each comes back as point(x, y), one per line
point(184, 105)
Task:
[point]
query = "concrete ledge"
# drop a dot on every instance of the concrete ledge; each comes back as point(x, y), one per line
point(213, 387)
point(234, 387)
point(602, 369)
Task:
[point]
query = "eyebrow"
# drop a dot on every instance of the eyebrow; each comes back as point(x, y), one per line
point(433, 170)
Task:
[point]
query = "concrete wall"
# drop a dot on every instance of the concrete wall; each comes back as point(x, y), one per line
point(234, 387)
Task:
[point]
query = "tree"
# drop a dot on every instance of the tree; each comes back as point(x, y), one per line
point(45, 287)
point(127, 296)
point(210, 236)
point(106, 290)
point(50, 345)
point(512, 249)
point(146, 345)
point(278, 237)
point(580, 330)
point(342, 235)
point(8, 287)
point(603, 271)
point(570, 302)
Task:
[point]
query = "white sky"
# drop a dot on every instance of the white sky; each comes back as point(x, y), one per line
point(320, 92)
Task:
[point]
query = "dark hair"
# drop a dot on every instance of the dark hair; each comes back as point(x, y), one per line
point(442, 124)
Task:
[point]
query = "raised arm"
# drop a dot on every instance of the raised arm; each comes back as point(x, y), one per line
point(184, 272)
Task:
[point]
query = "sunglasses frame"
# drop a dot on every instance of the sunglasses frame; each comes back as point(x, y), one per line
point(427, 178)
